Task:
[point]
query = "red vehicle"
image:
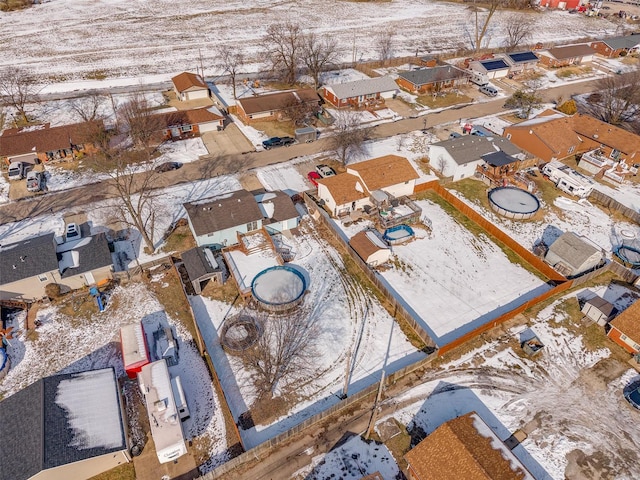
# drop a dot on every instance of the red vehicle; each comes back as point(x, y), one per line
point(314, 177)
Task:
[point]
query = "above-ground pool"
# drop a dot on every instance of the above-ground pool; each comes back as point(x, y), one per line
point(278, 288)
point(513, 202)
point(398, 234)
point(630, 255)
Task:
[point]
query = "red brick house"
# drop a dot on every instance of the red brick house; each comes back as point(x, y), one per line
point(566, 55)
point(43, 143)
point(189, 86)
point(625, 328)
point(364, 93)
point(274, 106)
point(432, 79)
point(190, 123)
point(617, 46)
point(561, 4)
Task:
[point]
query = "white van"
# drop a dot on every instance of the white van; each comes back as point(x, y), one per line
point(16, 171)
point(488, 90)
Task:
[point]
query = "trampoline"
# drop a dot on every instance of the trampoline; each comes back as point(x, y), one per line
point(512, 202)
point(629, 251)
point(279, 288)
point(240, 332)
point(399, 234)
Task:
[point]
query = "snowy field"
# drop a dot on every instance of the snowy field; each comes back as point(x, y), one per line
point(68, 40)
point(69, 345)
point(349, 320)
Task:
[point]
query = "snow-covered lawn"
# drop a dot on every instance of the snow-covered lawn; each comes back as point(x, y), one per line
point(67, 345)
point(349, 319)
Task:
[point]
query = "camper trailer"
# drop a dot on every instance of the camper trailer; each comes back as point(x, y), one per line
point(478, 78)
point(135, 352)
point(567, 179)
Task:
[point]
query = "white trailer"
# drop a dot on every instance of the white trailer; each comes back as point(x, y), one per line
point(478, 78)
point(567, 179)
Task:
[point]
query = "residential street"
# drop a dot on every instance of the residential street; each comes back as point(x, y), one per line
point(212, 166)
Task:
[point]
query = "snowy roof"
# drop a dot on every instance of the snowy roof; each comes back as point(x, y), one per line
point(28, 258)
point(426, 76)
point(134, 345)
point(469, 148)
point(465, 447)
point(221, 213)
point(60, 420)
point(625, 41)
point(277, 206)
point(86, 256)
point(188, 81)
point(365, 86)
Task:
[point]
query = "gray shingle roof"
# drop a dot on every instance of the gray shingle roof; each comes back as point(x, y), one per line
point(284, 209)
point(572, 249)
point(426, 76)
point(498, 159)
point(37, 430)
point(94, 254)
point(196, 263)
point(27, 258)
point(223, 212)
point(469, 148)
point(627, 41)
point(366, 86)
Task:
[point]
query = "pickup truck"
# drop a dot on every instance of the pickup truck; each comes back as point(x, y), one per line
point(34, 181)
point(278, 142)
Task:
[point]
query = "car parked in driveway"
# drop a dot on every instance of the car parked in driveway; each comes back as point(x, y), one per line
point(35, 181)
point(167, 167)
point(314, 177)
point(278, 142)
point(489, 90)
point(325, 170)
point(17, 170)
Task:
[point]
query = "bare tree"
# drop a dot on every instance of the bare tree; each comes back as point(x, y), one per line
point(17, 88)
point(143, 126)
point(283, 353)
point(384, 44)
point(282, 44)
point(88, 106)
point(525, 100)
point(441, 164)
point(616, 100)
point(317, 54)
point(481, 21)
point(300, 112)
point(231, 61)
point(349, 136)
point(518, 28)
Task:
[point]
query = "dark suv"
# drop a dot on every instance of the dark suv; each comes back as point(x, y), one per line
point(277, 142)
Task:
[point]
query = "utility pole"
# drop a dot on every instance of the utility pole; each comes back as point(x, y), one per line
point(201, 64)
point(374, 413)
point(346, 377)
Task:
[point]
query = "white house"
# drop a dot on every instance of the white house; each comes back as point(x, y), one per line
point(370, 248)
point(346, 192)
point(572, 255)
point(492, 67)
point(459, 157)
point(189, 86)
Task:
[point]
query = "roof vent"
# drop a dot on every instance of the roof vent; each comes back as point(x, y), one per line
point(22, 257)
point(14, 267)
point(530, 132)
point(595, 135)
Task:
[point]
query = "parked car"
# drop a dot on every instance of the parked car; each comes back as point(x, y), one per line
point(489, 90)
point(72, 231)
point(35, 181)
point(314, 177)
point(278, 142)
point(633, 396)
point(167, 167)
point(17, 170)
point(325, 170)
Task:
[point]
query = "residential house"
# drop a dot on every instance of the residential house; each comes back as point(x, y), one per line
point(573, 255)
point(465, 447)
point(190, 86)
point(566, 55)
point(368, 92)
point(598, 310)
point(613, 142)
point(617, 46)
point(30, 265)
point(561, 4)
point(460, 157)
point(432, 79)
point(349, 191)
point(520, 62)
point(64, 426)
point(625, 329)
point(278, 212)
point(370, 248)
point(43, 143)
point(201, 265)
point(276, 106)
point(164, 418)
point(189, 123)
point(491, 67)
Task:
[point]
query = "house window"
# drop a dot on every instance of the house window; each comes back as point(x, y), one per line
point(508, 136)
point(636, 347)
point(43, 277)
point(571, 149)
point(615, 154)
point(623, 336)
point(186, 128)
point(252, 226)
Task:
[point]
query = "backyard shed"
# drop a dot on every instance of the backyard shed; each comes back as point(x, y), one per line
point(625, 328)
point(598, 310)
point(370, 248)
point(135, 352)
point(572, 255)
point(202, 265)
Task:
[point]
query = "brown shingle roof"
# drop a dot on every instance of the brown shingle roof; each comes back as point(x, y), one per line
point(342, 188)
point(556, 134)
point(628, 322)
point(606, 134)
point(45, 139)
point(277, 101)
point(384, 171)
point(363, 246)
point(458, 449)
point(188, 117)
point(223, 212)
point(571, 51)
point(188, 80)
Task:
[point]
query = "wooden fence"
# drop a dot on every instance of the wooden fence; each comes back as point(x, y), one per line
point(611, 203)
